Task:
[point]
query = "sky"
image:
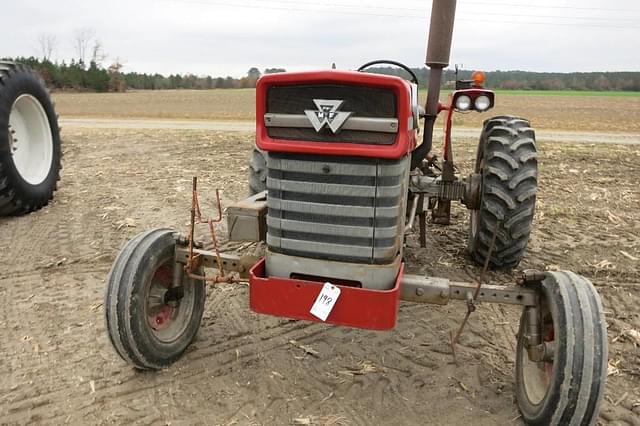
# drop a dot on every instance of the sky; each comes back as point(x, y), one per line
point(227, 37)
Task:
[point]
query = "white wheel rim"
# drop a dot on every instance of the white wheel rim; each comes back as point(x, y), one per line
point(30, 139)
point(537, 378)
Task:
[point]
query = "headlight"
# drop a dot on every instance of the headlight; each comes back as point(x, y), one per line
point(482, 103)
point(463, 103)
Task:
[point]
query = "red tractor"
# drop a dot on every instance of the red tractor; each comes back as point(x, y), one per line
point(338, 180)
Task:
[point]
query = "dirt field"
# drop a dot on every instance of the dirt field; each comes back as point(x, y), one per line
point(57, 365)
point(585, 113)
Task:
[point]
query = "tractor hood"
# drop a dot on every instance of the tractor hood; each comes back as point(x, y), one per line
point(333, 112)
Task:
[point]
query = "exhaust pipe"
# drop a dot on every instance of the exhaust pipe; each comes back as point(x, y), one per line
point(443, 14)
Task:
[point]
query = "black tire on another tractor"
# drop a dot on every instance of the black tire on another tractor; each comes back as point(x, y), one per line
point(30, 150)
point(257, 171)
point(567, 390)
point(507, 162)
point(145, 329)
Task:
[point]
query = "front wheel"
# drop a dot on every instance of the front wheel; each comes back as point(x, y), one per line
point(566, 388)
point(150, 321)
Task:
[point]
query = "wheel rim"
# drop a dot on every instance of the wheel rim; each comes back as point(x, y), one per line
point(475, 213)
point(538, 376)
point(474, 222)
point(167, 321)
point(30, 139)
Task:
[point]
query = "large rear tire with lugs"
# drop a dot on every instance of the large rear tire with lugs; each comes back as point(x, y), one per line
point(566, 387)
point(29, 141)
point(507, 162)
point(257, 171)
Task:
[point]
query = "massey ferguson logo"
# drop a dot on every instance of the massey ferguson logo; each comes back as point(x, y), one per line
point(327, 114)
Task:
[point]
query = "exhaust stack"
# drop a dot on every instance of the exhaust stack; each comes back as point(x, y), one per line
point(438, 51)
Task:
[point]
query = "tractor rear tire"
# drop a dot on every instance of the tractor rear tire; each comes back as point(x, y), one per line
point(568, 389)
point(507, 162)
point(29, 141)
point(148, 330)
point(257, 171)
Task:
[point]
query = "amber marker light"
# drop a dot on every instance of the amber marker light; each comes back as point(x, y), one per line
point(478, 78)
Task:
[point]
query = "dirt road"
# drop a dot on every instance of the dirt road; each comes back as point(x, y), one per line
point(248, 126)
point(57, 366)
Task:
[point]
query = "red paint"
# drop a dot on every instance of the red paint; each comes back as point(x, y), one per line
point(162, 319)
point(405, 140)
point(447, 131)
point(356, 307)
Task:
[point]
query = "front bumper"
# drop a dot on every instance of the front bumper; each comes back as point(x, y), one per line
point(292, 298)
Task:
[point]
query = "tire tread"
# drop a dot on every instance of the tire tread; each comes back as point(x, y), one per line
point(508, 193)
point(12, 200)
point(257, 171)
point(120, 294)
point(577, 390)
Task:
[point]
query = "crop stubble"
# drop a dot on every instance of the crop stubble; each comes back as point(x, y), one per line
point(57, 365)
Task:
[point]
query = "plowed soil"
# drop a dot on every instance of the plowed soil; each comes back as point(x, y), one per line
point(57, 365)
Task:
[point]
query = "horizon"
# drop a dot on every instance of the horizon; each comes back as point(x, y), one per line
point(198, 36)
point(125, 70)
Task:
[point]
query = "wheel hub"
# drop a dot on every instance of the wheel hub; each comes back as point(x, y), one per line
point(13, 141)
point(538, 374)
point(159, 310)
point(162, 319)
point(473, 191)
point(167, 307)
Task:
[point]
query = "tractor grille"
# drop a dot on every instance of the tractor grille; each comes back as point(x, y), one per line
point(363, 101)
point(336, 208)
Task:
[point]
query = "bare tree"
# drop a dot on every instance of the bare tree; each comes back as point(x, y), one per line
point(97, 54)
point(47, 44)
point(82, 38)
point(116, 81)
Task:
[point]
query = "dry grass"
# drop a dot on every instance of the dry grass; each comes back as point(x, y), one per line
point(580, 113)
point(586, 113)
point(166, 104)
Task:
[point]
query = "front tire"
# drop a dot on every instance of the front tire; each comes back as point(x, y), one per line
point(507, 162)
point(29, 141)
point(145, 329)
point(257, 171)
point(568, 389)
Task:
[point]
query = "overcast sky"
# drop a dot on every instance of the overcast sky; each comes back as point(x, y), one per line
point(226, 37)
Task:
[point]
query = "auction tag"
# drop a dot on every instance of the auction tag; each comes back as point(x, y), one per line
point(325, 301)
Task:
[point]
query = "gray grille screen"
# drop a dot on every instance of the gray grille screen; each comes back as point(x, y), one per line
point(336, 208)
point(363, 101)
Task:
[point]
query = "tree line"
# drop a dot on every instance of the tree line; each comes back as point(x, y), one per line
point(76, 75)
point(528, 80)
